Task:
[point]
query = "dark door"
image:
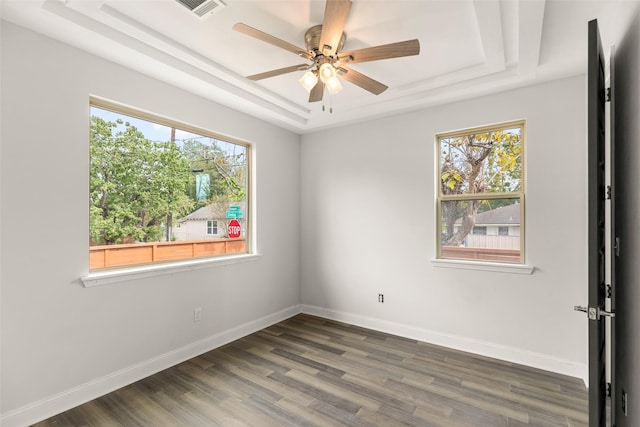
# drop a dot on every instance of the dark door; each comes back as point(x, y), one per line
point(596, 227)
point(614, 244)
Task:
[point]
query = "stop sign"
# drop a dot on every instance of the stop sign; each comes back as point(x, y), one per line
point(233, 229)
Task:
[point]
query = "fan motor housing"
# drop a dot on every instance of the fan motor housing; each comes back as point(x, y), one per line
point(312, 40)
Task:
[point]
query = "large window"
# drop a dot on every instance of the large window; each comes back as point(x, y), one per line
point(163, 191)
point(481, 193)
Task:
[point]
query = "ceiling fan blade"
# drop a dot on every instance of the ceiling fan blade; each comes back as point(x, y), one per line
point(268, 38)
point(336, 13)
point(317, 92)
point(392, 50)
point(273, 73)
point(366, 83)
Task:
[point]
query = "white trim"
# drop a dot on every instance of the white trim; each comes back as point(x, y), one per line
point(484, 348)
point(45, 408)
point(497, 267)
point(153, 270)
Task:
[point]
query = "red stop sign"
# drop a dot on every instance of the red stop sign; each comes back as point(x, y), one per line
point(234, 229)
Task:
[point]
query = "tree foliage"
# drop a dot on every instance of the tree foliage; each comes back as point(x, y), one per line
point(134, 183)
point(473, 165)
point(226, 171)
point(137, 185)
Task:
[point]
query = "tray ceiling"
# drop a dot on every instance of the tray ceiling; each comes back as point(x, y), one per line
point(468, 48)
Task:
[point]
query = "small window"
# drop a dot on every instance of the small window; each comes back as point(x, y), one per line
point(479, 231)
point(212, 227)
point(480, 199)
point(159, 189)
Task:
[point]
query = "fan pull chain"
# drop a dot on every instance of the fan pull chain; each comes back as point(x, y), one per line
point(324, 96)
point(330, 102)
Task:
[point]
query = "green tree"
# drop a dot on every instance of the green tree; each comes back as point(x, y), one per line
point(474, 165)
point(135, 183)
point(227, 172)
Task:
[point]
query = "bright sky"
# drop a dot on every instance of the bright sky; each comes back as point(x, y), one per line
point(152, 131)
point(157, 132)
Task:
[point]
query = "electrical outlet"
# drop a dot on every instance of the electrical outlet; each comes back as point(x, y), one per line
point(197, 314)
point(381, 298)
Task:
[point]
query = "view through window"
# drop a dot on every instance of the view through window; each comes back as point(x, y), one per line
point(160, 191)
point(481, 193)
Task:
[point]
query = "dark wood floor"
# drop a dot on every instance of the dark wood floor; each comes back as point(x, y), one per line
point(308, 371)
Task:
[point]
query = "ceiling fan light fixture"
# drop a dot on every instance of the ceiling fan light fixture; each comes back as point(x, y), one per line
point(327, 72)
point(309, 80)
point(333, 85)
point(324, 51)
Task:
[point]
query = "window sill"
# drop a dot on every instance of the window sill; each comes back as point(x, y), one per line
point(484, 266)
point(100, 278)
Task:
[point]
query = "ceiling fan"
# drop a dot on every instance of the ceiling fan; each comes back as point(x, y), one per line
point(324, 45)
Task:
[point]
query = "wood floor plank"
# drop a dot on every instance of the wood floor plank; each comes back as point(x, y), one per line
point(403, 368)
point(376, 374)
point(310, 363)
point(378, 418)
point(248, 414)
point(317, 393)
point(310, 371)
point(306, 412)
point(371, 390)
point(337, 390)
point(287, 363)
point(214, 413)
point(345, 418)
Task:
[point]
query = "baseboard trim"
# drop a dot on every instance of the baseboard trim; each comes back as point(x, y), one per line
point(73, 397)
point(509, 354)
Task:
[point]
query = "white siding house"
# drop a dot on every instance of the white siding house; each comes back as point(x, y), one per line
point(496, 229)
point(208, 222)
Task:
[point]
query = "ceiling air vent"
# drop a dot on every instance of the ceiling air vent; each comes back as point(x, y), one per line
point(203, 8)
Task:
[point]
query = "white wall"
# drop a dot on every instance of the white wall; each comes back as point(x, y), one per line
point(58, 336)
point(62, 342)
point(626, 104)
point(358, 178)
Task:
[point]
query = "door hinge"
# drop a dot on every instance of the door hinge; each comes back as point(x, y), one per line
point(608, 290)
point(608, 389)
point(608, 192)
point(607, 95)
point(616, 246)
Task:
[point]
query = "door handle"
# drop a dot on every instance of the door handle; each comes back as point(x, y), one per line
point(580, 308)
point(594, 313)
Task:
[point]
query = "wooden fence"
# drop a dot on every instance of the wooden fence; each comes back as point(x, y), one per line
point(142, 253)
point(494, 242)
point(481, 254)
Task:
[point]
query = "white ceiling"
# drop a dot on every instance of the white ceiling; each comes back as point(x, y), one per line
point(468, 48)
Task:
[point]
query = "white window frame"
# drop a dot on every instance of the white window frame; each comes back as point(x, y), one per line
point(135, 272)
